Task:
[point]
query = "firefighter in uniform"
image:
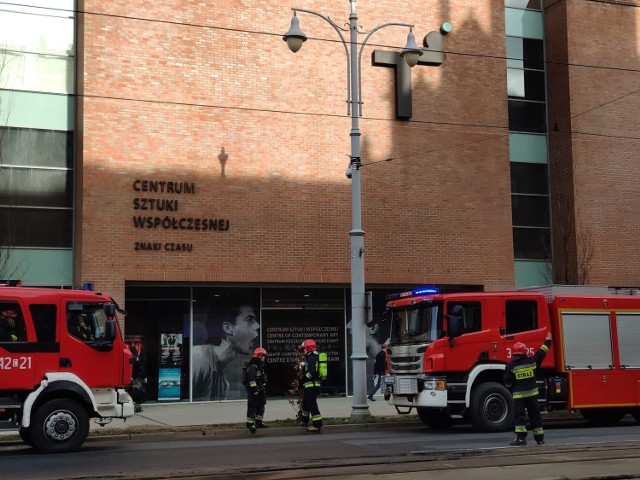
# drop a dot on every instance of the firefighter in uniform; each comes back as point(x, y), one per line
point(520, 377)
point(256, 390)
point(310, 380)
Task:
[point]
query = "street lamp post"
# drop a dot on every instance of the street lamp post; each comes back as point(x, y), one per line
point(411, 53)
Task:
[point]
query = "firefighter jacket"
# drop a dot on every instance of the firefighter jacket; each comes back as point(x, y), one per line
point(520, 374)
point(256, 376)
point(310, 376)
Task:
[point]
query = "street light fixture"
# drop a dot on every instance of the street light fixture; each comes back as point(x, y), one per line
point(411, 53)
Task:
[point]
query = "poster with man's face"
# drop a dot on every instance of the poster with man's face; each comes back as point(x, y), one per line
point(224, 337)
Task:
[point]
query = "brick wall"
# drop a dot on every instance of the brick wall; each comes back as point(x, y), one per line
point(597, 138)
point(168, 84)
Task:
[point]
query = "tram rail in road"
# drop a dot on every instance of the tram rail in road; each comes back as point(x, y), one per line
point(620, 461)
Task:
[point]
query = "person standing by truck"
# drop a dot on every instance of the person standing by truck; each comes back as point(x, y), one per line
point(379, 370)
point(256, 385)
point(310, 379)
point(520, 377)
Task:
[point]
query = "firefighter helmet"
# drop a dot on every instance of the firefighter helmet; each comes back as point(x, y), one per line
point(309, 345)
point(519, 348)
point(259, 352)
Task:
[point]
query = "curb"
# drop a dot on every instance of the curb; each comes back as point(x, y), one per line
point(215, 431)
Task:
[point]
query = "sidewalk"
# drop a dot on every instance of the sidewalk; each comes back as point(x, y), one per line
point(167, 415)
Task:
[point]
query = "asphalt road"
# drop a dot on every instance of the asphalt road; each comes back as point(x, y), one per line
point(402, 452)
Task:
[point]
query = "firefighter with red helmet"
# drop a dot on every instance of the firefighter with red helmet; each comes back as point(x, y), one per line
point(310, 380)
point(256, 385)
point(520, 377)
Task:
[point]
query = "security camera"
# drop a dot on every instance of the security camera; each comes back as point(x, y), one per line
point(348, 172)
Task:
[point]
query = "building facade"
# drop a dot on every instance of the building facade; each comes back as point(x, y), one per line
point(177, 155)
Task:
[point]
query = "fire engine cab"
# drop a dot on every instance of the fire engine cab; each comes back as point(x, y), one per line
point(448, 353)
point(62, 362)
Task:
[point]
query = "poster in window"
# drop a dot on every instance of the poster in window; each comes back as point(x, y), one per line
point(171, 350)
point(135, 342)
point(169, 384)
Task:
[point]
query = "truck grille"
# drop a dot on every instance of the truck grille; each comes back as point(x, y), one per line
point(407, 361)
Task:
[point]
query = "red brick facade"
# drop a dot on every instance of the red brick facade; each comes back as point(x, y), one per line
point(167, 85)
point(594, 118)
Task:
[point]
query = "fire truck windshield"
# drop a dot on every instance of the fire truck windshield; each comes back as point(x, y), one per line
point(416, 324)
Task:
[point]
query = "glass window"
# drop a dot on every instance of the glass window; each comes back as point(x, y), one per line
point(33, 227)
point(521, 316)
point(418, 324)
point(529, 178)
point(35, 187)
point(86, 322)
point(523, 23)
point(48, 32)
point(525, 84)
point(37, 148)
point(527, 147)
point(530, 210)
point(142, 292)
point(38, 72)
point(527, 116)
point(312, 297)
point(531, 243)
point(525, 53)
point(12, 327)
point(164, 326)
point(44, 321)
point(471, 315)
point(226, 324)
point(44, 111)
point(530, 4)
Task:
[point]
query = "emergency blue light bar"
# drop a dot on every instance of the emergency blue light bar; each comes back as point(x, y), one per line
point(414, 293)
point(426, 291)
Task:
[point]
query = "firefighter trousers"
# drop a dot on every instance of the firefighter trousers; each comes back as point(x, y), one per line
point(520, 407)
point(255, 407)
point(310, 410)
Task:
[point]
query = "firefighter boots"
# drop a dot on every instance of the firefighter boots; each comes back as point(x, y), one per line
point(311, 428)
point(519, 442)
point(252, 429)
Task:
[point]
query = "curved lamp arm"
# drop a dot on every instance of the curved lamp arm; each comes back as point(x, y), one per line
point(344, 44)
point(364, 42)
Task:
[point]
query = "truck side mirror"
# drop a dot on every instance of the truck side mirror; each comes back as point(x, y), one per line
point(110, 309)
point(455, 327)
point(110, 330)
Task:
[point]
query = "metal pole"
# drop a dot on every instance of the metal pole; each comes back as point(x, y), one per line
point(360, 406)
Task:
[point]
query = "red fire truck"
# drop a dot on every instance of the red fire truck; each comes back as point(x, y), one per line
point(62, 362)
point(448, 353)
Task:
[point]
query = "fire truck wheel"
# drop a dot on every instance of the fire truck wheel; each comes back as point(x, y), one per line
point(436, 418)
point(491, 407)
point(636, 415)
point(58, 426)
point(25, 435)
point(603, 416)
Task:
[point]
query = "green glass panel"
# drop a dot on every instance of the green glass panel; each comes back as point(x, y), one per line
point(527, 148)
point(523, 23)
point(531, 273)
point(37, 110)
point(42, 267)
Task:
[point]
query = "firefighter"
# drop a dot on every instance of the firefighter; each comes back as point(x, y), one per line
point(520, 377)
point(310, 380)
point(256, 384)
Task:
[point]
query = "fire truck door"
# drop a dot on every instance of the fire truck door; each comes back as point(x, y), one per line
point(522, 324)
point(84, 348)
point(17, 349)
